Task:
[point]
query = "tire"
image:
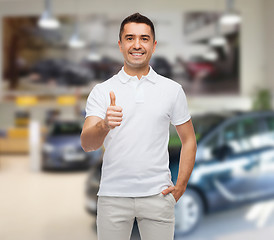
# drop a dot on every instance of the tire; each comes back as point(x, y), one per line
point(189, 211)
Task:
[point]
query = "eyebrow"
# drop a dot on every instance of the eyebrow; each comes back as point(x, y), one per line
point(131, 35)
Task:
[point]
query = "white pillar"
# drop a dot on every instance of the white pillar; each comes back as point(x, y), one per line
point(35, 145)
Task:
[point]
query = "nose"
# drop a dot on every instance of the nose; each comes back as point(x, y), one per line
point(136, 44)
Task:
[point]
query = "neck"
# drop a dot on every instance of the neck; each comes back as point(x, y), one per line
point(142, 71)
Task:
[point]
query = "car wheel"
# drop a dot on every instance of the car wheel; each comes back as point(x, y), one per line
point(188, 212)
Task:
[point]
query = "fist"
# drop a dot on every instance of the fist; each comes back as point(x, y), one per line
point(114, 113)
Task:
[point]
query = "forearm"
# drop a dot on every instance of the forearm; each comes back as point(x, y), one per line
point(93, 137)
point(187, 161)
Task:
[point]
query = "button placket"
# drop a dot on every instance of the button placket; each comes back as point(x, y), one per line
point(139, 91)
point(139, 94)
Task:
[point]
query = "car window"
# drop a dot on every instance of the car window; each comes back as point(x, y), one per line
point(205, 124)
point(243, 135)
point(270, 124)
point(231, 133)
point(231, 139)
point(212, 142)
point(267, 134)
point(209, 146)
point(248, 127)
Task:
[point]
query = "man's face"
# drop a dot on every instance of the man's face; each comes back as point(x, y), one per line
point(137, 44)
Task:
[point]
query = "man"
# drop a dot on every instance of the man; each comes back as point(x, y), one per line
point(130, 113)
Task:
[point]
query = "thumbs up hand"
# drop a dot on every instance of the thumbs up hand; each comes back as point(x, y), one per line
point(112, 98)
point(114, 113)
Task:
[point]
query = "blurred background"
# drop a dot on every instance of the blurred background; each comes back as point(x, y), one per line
point(54, 52)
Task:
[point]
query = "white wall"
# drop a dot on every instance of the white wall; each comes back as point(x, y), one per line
point(255, 69)
point(269, 45)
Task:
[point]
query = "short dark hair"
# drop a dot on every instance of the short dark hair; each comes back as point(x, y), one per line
point(137, 18)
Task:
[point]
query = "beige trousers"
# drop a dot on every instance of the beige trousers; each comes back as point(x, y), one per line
point(154, 215)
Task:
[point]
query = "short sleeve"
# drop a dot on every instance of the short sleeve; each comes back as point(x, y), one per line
point(180, 113)
point(96, 104)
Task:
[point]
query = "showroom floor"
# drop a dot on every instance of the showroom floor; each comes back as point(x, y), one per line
point(50, 206)
point(42, 206)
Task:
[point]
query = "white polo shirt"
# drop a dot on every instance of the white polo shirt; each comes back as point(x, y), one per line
point(136, 160)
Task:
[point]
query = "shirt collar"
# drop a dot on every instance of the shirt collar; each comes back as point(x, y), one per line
point(124, 77)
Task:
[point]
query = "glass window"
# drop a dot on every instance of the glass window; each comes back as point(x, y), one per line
point(205, 124)
point(270, 124)
point(243, 135)
point(248, 127)
point(210, 145)
point(231, 133)
point(212, 142)
point(231, 139)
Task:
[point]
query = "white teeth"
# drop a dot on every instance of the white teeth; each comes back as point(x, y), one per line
point(137, 54)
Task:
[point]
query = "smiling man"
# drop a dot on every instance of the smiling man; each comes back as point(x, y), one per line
point(137, 46)
point(130, 114)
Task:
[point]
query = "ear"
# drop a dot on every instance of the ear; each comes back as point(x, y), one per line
point(120, 47)
point(154, 47)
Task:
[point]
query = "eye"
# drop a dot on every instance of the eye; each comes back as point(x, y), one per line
point(129, 38)
point(145, 39)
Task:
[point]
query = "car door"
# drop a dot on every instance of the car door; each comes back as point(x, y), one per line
point(230, 163)
point(264, 183)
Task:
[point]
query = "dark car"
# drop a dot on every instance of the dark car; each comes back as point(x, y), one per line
point(62, 148)
point(234, 165)
point(62, 72)
point(103, 69)
point(161, 66)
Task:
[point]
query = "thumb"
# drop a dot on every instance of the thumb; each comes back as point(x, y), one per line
point(112, 98)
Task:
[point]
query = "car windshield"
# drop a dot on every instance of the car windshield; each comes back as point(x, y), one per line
point(205, 123)
point(66, 128)
point(202, 124)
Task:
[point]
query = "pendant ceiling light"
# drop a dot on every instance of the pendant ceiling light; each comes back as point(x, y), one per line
point(93, 55)
point(211, 55)
point(47, 20)
point(230, 17)
point(218, 39)
point(75, 40)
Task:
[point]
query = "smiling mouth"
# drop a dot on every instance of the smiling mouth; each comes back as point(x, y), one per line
point(137, 54)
